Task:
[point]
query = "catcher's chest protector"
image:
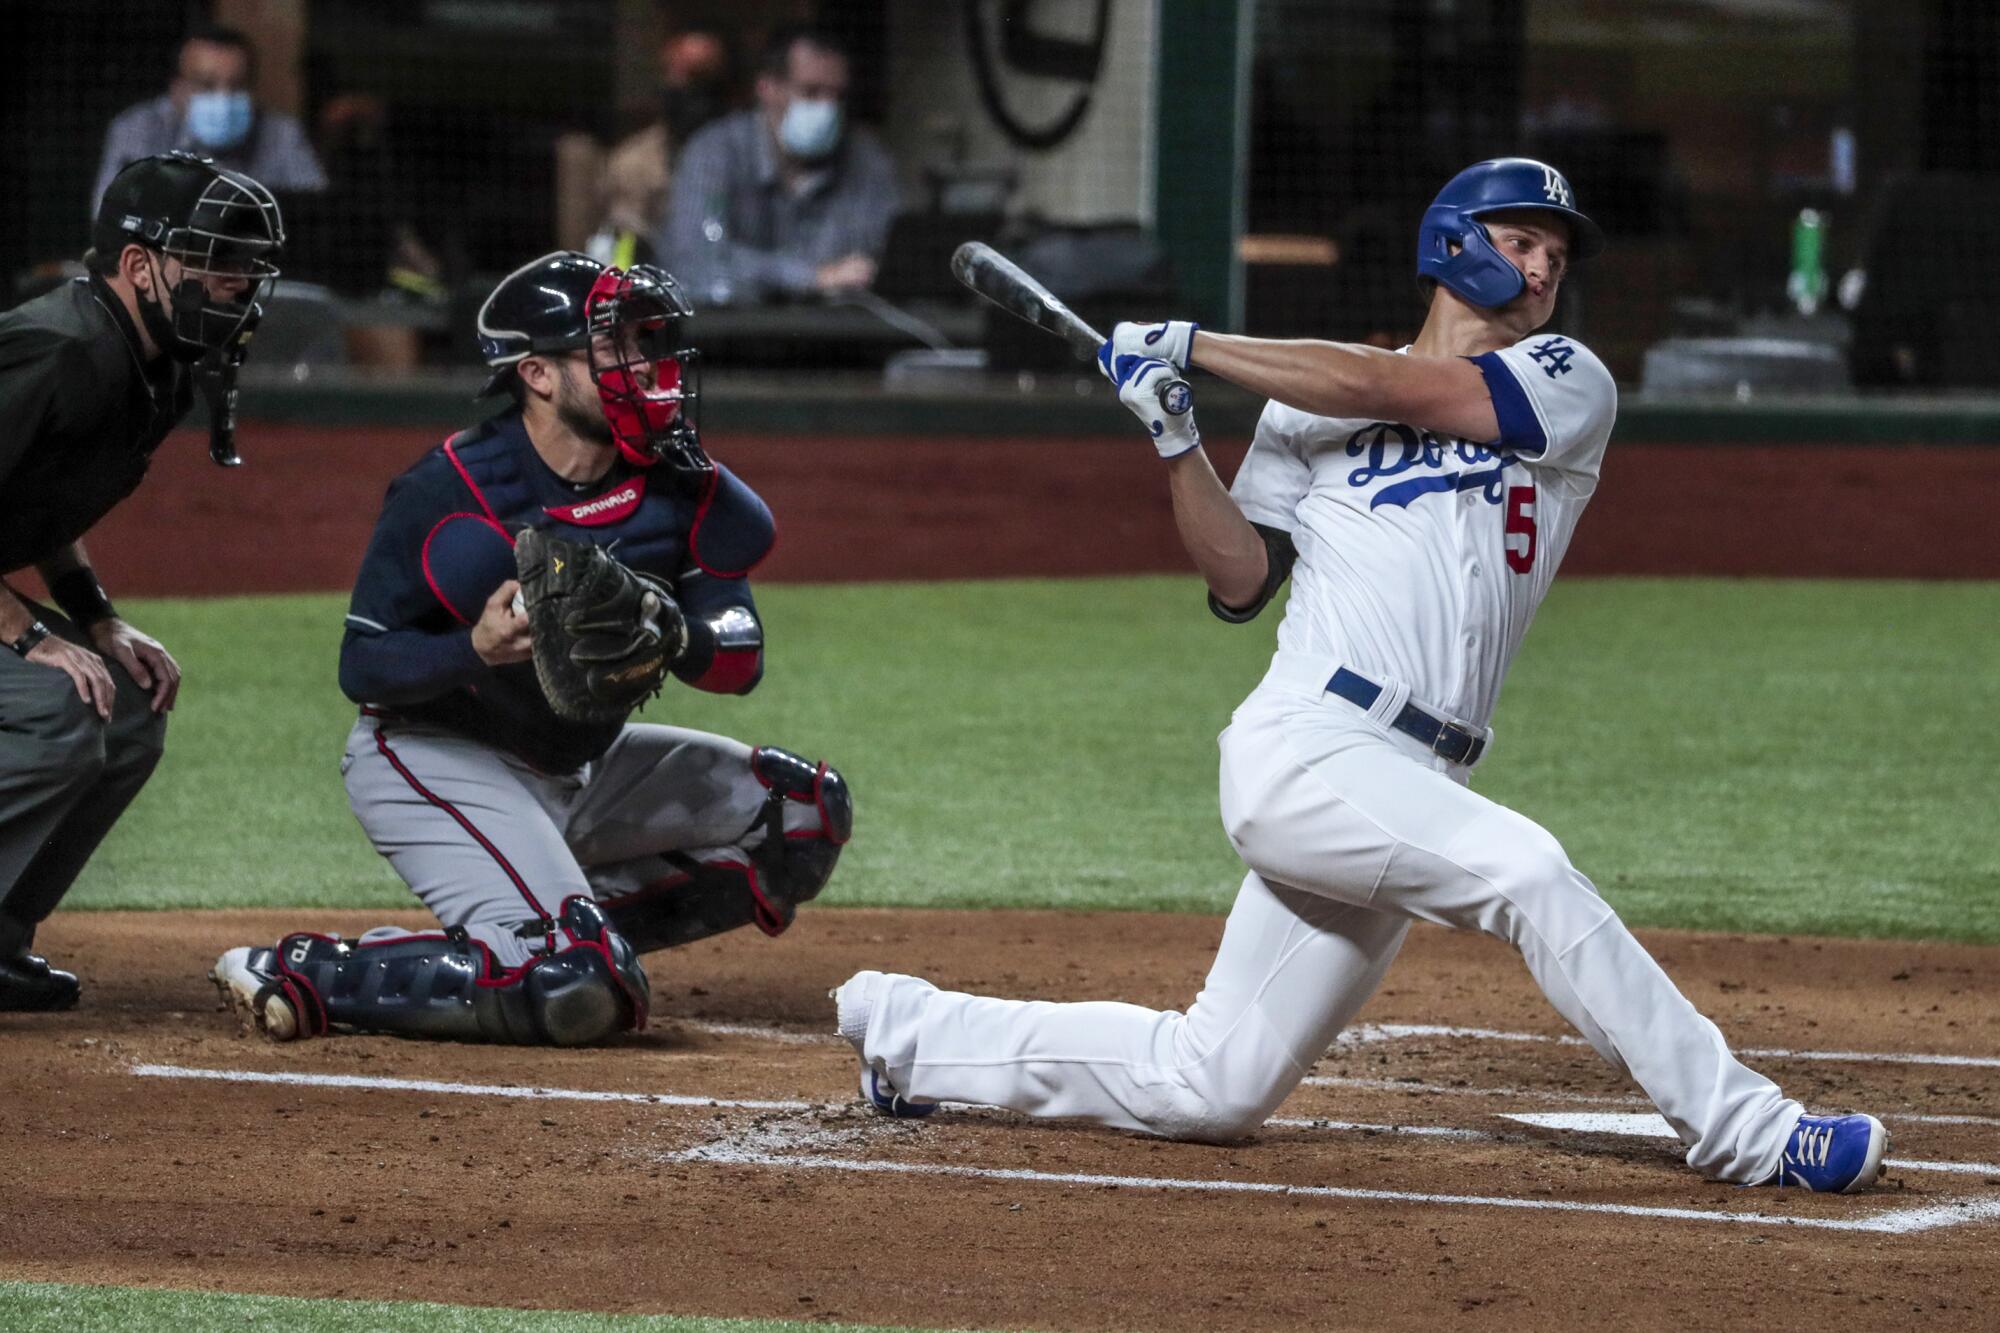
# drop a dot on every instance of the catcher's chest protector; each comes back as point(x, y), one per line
point(653, 528)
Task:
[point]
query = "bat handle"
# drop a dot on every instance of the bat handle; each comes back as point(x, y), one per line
point(1176, 391)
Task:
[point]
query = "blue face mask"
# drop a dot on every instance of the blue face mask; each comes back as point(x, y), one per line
point(810, 130)
point(219, 119)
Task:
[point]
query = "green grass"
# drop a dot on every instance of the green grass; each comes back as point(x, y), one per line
point(47, 1307)
point(1743, 755)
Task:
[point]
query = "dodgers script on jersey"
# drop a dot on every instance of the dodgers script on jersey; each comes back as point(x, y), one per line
point(1421, 558)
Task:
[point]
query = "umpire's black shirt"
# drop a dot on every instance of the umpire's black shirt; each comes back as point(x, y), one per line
point(80, 416)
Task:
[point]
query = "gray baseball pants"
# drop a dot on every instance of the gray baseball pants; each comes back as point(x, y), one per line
point(66, 775)
point(494, 846)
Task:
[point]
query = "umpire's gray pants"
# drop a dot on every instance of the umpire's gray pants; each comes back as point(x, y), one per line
point(66, 775)
point(494, 846)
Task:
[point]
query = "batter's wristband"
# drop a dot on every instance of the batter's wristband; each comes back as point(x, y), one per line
point(81, 597)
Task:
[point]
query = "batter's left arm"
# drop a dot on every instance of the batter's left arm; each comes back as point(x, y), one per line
point(1447, 395)
point(1228, 551)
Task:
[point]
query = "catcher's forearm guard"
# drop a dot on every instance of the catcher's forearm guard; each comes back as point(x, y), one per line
point(725, 652)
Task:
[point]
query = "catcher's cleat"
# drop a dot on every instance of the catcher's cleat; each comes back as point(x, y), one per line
point(248, 980)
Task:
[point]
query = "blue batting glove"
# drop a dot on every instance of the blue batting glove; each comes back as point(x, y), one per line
point(1169, 340)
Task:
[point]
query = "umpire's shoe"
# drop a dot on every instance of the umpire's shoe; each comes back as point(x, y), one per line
point(28, 983)
point(248, 980)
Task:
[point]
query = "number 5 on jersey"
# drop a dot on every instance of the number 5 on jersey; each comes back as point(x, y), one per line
point(1521, 524)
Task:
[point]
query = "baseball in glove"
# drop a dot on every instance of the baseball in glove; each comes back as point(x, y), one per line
point(604, 634)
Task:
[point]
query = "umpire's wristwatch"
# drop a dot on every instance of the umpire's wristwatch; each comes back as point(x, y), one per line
point(26, 643)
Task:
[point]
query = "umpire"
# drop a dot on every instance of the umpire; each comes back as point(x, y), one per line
point(92, 377)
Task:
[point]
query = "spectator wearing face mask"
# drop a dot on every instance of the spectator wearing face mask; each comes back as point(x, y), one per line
point(697, 85)
point(208, 109)
point(784, 199)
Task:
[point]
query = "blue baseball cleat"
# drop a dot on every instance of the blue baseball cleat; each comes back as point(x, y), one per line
point(881, 1094)
point(854, 1004)
point(1833, 1154)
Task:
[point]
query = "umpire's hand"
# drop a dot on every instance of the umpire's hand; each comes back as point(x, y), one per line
point(143, 659)
point(85, 668)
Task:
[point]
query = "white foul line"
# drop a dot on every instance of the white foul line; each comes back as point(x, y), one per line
point(1892, 1222)
point(780, 1035)
point(377, 1084)
point(1366, 1033)
point(1643, 1125)
point(1895, 1222)
point(1656, 1127)
point(1583, 1098)
point(467, 1089)
point(1358, 1127)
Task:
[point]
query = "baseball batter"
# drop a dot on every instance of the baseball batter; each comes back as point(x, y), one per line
point(553, 850)
point(1420, 502)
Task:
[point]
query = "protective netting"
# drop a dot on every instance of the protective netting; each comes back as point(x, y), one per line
point(1810, 174)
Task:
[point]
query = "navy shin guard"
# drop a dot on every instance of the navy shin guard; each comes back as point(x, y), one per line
point(589, 988)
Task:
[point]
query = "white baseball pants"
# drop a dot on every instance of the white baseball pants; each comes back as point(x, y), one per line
point(1350, 831)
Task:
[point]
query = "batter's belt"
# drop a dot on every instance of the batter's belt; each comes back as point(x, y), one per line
point(1449, 739)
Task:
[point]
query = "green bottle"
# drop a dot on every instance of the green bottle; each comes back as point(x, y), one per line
point(1806, 285)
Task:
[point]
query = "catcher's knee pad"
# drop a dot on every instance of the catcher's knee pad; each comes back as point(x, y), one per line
point(762, 886)
point(791, 777)
point(796, 863)
point(447, 985)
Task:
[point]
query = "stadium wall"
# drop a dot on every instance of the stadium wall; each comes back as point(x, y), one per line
point(935, 504)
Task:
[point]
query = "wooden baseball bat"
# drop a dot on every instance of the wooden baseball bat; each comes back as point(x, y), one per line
point(1009, 286)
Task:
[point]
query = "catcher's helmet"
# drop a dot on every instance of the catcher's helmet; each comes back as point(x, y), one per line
point(633, 321)
point(1453, 247)
point(216, 223)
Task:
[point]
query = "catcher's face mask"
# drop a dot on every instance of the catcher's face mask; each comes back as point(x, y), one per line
point(646, 374)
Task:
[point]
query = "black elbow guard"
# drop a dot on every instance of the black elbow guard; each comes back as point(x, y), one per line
point(1279, 554)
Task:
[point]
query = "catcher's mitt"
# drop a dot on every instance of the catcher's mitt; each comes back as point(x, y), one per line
point(604, 635)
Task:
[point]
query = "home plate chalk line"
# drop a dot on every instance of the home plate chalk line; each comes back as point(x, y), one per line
point(1363, 1034)
point(1890, 1221)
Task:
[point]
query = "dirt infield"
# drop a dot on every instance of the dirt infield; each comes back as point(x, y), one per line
point(1392, 1192)
point(297, 516)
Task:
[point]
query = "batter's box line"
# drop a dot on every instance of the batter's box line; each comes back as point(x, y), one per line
point(377, 1083)
point(1891, 1222)
point(1548, 1095)
point(1368, 1033)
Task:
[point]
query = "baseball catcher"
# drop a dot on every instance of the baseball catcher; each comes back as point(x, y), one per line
point(530, 584)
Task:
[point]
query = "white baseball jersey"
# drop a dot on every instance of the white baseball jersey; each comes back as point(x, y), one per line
point(1422, 559)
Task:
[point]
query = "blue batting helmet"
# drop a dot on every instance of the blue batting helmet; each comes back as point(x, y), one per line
point(1453, 247)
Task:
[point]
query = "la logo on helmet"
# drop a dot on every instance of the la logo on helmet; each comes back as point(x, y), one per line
point(1556, 188)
